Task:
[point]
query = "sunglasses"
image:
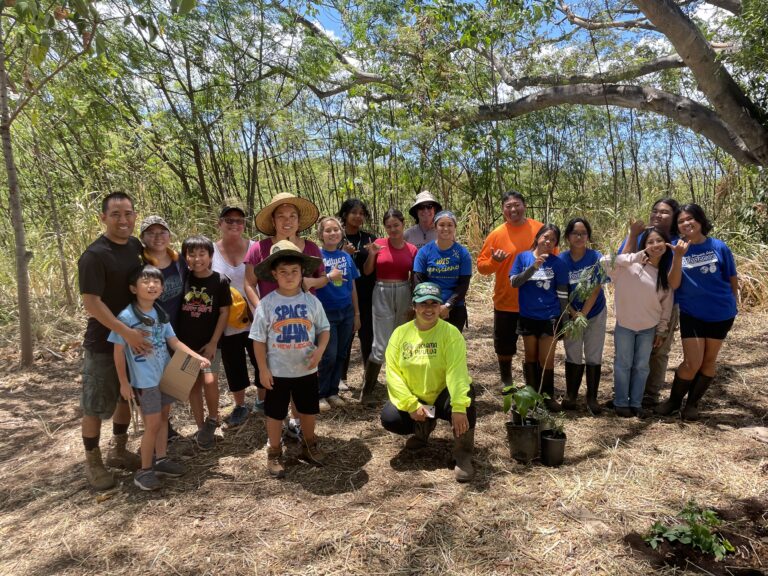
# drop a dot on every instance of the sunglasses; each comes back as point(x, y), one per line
point(238, 221)
point(427, 206)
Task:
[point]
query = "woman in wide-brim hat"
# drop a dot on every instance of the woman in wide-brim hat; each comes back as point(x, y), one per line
point(283, 218)
point(423, 211)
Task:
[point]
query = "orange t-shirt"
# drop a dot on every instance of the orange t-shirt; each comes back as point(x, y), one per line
point(513, 240)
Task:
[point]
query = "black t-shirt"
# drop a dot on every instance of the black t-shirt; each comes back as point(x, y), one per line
point(364, 284)
point(200, 306)
point(104, 270)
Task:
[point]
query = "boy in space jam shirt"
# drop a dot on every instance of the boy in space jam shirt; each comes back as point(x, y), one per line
point(290, 334)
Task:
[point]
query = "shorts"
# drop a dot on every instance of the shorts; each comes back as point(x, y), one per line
point(101, 387)
point(538, 328)
point(151, 400)
point(304, 390)
point(505, 332)
point(691, 327)
point(215, 364)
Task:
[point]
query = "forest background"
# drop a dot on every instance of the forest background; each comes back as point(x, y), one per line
point(592, 108)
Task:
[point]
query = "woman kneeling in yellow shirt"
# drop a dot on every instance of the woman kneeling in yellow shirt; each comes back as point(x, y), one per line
point(427, 379)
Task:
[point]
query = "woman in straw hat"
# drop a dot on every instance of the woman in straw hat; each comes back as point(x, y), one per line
point(423, 212)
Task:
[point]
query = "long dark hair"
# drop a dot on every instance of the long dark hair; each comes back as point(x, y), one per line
point(675, 205)
point(662, 278)
point(543, 230)
point(698, 214)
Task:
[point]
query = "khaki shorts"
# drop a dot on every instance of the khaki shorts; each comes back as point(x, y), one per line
point(101, 387)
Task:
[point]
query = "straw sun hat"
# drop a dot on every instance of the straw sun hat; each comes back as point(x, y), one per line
point(308, 213)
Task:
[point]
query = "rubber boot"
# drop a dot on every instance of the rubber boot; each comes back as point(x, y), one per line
point(505, 372)
point(421, 432)
point(98, 477)
point(530, 373)
point(573, 376)
point(593, 383)
point(120, 457)
point(372, 370)
point(463, 448)
point(680, 388)
point(548, 387)
point(700, 385)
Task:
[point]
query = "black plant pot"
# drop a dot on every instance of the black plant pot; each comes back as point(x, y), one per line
point(552, 448)
point(523, 440)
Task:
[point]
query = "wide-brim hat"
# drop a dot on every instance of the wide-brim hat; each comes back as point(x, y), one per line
point(151, 221)
point(283, 249)
point(308, 213)
point(422, 198)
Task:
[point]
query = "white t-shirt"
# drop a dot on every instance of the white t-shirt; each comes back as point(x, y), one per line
point(236, 275)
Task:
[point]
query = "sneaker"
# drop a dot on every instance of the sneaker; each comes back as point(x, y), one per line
point(335, 401)
point(343, 386)
point(324, 405)
point(258, 406)
point(167, 467)
point(311, 453)
point(292, 429)
point(147, 480)
point(205, 437)
point(238, 416)
point(173, 435)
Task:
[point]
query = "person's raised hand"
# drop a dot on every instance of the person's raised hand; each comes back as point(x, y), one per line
point(636, 227)
point(499, 255)
point(540, 260)
point(679, 249)
point(374, 248)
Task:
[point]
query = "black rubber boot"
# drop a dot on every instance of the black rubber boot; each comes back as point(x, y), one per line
point(530, 374)
point(700, 385)
point(573, 376)
point(505, 372)
point(372, 370)
point(680, 388)
point(548, 387)
point(593, 383)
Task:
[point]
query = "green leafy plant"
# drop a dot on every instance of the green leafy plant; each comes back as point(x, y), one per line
point(697, 527)
point(524, 399)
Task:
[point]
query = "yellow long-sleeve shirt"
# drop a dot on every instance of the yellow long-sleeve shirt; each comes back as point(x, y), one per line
point(421, 364)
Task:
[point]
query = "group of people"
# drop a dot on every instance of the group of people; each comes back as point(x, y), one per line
point(290, 309)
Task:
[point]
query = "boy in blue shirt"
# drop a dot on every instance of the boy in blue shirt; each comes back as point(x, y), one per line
point(146, 370)
point(290, 333)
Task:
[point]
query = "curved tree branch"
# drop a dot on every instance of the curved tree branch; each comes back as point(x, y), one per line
point(589, 24)
point(682, 111)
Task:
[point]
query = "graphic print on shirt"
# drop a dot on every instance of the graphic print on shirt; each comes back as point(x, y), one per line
point(197, 302)
point(543, 278)
point(706, 262)
point(443, 265)
point(339, 262)
point(292, 324)
point(409, 350)
point(156, 336)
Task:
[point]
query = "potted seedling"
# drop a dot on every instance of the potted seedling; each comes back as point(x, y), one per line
point(522, 428)
point(553, 441)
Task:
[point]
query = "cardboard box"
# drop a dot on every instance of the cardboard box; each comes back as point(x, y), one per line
point(180, 375)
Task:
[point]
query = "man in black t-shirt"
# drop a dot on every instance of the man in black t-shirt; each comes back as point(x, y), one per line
point(103, 270)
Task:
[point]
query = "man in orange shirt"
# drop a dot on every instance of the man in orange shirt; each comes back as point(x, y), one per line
point(498, 254)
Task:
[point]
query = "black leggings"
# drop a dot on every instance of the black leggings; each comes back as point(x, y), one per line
point(365, 334)
point(400, 422)
point(235, 350)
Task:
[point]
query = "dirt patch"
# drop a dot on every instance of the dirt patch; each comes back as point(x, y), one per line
point(375, 509)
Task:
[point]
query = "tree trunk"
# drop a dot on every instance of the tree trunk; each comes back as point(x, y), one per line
point(17, 219)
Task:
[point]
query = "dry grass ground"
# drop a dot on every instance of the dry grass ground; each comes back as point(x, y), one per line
point(375, 509)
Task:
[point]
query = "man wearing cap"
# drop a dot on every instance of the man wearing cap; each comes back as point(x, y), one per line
point(423, 211)
point(496, 257)
point(427, 379)
point(103, 272)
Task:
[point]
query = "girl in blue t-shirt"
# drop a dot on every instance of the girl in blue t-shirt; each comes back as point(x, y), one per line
point(339, 299)
point(584, 271)
point(542, 280)
point(449, 265)
point(704, 276)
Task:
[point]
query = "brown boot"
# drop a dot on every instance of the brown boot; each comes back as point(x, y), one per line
point(98, 477)
point(421, 432)
point(120, 457)
point(275, 465)
point(311, 453)
point(463, 447)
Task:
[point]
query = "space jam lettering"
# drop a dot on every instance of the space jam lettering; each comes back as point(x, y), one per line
point(292, 325)
point(707, 262)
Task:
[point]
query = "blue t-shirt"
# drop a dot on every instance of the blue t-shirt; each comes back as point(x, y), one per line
point(591, 258)
point(145, 370)
point(338, 295)
point(289, 325)
point(443, 267)
point(705, 290)
point(538, 295)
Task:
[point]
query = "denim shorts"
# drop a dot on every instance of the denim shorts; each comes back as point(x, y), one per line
point(101, 387)
point(151, 400)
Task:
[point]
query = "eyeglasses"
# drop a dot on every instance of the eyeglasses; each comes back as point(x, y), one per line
point(426, 207)
point(236, 221)
point(579, 234)
point(158, 234)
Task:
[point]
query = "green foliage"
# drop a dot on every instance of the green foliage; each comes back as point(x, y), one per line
point(696, 528)
point(524, 399)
